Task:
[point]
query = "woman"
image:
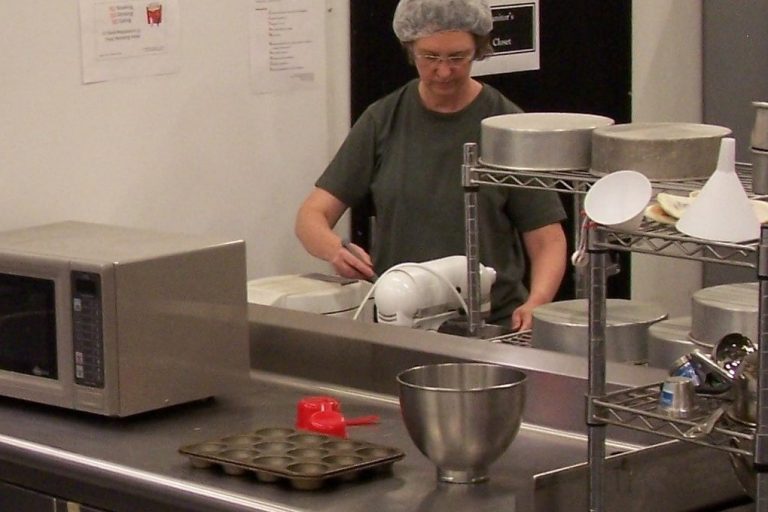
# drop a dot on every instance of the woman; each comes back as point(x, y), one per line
point(406, 152)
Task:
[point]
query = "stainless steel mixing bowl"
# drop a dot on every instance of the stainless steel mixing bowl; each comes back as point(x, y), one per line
point(462, 416)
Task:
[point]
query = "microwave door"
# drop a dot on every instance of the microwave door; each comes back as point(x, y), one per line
point(28, 326)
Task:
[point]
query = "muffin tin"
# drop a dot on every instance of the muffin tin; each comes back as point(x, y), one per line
point(307, 460)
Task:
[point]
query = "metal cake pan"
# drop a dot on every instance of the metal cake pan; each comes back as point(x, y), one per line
point(563, 327)
point(660, 151)
point(724, 309)
point(539, 141)
point(668, 341)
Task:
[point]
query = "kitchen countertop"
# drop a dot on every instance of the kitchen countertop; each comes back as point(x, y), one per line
point(134, 462)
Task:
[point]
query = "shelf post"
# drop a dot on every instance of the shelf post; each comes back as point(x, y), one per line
point(580, 276)
point(471, 238)
point(761, 433)
point(598, 267)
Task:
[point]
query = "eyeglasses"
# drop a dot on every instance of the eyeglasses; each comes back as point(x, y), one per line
point(453, 61)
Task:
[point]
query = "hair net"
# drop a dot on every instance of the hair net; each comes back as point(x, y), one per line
point(421, 18)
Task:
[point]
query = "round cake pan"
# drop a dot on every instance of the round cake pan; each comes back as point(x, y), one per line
point(661, 151)
point(539, 141)
point(759, 137)
point(724, 309)
point(668, 341)
point(563, 327)
point(759, 171)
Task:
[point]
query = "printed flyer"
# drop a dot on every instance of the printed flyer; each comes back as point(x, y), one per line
point(129, 38)
point(287, 45)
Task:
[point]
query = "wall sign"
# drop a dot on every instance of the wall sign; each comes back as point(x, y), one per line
point(287, 45)
point(128, 38)
point(515, 38)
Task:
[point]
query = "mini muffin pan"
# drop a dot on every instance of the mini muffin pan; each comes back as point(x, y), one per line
point(305, 459)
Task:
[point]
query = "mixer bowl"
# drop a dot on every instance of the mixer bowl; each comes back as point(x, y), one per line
point(462, 416)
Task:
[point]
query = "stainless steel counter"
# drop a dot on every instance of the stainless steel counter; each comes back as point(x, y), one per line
point(132, 464)
point(369, 357)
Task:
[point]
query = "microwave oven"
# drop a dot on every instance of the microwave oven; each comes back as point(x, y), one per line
point(117, 321)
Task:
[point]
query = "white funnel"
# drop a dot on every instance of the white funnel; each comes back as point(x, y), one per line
point(722, 211)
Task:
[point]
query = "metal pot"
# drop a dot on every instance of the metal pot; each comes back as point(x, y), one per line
point(735, 359)
point(539, 141)
point(744, 407)
point(563, 327)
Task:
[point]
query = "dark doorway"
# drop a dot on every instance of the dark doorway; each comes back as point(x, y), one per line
point(585, 67)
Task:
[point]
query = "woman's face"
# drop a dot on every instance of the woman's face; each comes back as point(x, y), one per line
point(444, 61)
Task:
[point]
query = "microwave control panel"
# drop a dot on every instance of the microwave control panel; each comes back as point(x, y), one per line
point(87, 335)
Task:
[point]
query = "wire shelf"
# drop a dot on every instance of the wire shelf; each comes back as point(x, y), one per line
point(638, 409)
point(580, 181)
point(652, 237)
point(664, 240)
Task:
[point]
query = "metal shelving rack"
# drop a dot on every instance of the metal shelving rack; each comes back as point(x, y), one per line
point(636, 408)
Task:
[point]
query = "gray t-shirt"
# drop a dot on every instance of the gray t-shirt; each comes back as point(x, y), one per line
point(409, 159)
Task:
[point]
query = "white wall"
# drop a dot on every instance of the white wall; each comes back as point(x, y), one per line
point(197, 152)
point(194, 151)
point(666, 86)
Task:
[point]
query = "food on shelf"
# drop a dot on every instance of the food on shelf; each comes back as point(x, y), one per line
point(670, 207)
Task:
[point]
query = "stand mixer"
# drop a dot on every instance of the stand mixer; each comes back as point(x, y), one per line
point(425, 295)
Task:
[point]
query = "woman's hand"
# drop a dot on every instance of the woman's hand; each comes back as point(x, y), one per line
point(522, 317)
point(352, 261)
point(315, 221)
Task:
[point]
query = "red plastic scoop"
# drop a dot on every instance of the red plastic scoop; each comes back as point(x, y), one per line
point(362, 420)
point(310, 405)
point(333, 423)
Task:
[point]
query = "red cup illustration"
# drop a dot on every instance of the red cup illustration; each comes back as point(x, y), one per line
point(155, 13)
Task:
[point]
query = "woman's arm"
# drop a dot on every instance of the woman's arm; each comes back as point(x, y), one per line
point(546, 248)
point(315, 221)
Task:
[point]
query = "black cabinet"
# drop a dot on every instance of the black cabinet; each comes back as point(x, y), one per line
point(65, 506)
point(18, 499)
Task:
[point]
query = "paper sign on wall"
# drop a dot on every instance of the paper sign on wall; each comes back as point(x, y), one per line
point(515, 38)
point(287, 45)
point(128, 38)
